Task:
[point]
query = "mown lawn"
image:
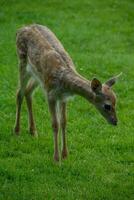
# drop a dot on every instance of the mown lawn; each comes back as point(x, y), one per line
point(99, 35)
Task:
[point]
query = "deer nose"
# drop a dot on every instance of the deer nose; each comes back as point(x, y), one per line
point(114, 121)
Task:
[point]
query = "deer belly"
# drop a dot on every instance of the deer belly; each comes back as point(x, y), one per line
point(67, 96)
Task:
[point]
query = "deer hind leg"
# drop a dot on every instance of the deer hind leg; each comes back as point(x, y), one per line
point(55, 126)
point(24, 77)
point(63, 129)
point(28, 95)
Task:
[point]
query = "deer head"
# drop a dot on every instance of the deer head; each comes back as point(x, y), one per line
point(105, 98)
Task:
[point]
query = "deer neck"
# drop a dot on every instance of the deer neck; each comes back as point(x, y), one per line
point(78, 85)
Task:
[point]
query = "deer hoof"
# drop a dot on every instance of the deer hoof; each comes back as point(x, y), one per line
point(17, 130)
point(33, 132)
point(56, 158)
point(64, 154)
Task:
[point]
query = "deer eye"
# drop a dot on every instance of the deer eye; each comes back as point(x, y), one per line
point(107, 107)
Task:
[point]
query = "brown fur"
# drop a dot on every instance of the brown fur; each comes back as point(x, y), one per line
point(43, 60)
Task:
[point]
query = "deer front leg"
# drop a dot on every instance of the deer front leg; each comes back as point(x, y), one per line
point(63, 129)
point(55, 126)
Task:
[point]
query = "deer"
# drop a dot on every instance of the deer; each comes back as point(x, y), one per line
point(44, 62)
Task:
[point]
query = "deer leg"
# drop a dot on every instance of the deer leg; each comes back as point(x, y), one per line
point(24, 77)
point(28, 95)
point(63, 129)
point(55, 126)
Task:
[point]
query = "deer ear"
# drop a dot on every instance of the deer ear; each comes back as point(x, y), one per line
point(113, 80)
point(96, 85)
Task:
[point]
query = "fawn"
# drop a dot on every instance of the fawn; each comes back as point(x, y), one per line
point(44, 61)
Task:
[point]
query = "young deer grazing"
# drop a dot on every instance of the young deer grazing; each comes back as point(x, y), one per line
point(44, 61)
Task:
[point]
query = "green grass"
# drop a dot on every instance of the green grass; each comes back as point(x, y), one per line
point(99, 35)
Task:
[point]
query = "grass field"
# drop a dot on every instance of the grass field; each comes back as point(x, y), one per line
point(99, 35)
